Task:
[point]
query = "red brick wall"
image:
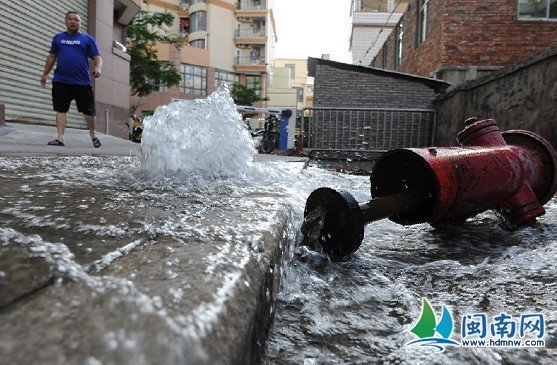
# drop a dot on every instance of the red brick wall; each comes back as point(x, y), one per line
point(479, 32)
point(423, 59)
point(469, 32)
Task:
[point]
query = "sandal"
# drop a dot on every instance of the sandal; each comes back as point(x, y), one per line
point(55, 142)
point(96, 142)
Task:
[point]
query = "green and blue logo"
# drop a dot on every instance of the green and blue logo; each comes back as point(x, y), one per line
point(432, 333)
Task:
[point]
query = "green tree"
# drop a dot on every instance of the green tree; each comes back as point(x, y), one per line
point(244, 95)
point(144, 32)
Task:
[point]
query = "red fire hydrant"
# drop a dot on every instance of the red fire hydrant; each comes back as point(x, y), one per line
point(513, 172)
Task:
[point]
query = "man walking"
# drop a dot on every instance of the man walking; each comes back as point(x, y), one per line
point(70, 51)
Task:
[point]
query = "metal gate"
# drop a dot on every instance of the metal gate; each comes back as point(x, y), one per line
point(367, 130)
point(26, 30)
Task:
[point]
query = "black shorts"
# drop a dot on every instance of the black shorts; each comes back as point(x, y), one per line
point(63, 94)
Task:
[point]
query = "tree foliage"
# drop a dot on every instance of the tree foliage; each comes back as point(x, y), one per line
point(244, 95)
point(144, 32)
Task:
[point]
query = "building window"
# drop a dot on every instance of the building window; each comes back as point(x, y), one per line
point(184, 27)
point(299, 94)
point(157, 85)
point(226, 77)
point(255, 56)
point(372, 6)
point(384, 63)
point(254, 82)
point(398, 44)
point(422, 21)
point(194, 80)
point(292, 68)
point(198, 21)
point(198, 43)
point(193, 2)
point(537, 9)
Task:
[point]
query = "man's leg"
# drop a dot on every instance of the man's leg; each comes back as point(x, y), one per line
point(90, 119)
point(85, 101)
point(61, 120)
point(61, 99)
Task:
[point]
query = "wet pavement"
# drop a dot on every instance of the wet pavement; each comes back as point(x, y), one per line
point(361, 311)
point(101, 263)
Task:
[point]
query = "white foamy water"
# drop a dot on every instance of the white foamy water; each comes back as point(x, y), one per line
point(203, 137)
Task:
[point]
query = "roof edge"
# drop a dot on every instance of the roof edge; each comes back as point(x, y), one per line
point(437, 85)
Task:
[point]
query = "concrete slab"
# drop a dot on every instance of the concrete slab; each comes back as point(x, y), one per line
point(31, 140)
point(18, 139)
point(88, 277)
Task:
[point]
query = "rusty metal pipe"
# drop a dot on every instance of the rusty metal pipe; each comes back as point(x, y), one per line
point(513, 172)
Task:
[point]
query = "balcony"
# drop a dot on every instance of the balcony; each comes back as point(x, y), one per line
point(249, 61)
point(250, 36)
point(372, 6)
point(251, 33)
point(250, 64)
point(246, 9)
point(377, 13)
point(251, 5)
point(379, 6)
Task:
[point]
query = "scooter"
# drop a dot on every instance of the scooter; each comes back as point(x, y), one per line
point(269, 135)
point(135, 124)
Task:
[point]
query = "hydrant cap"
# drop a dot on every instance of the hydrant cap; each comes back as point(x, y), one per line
point(343, 228)
point(474, 128)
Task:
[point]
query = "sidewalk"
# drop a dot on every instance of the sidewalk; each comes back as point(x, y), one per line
point(111, 284)
point(29, 140)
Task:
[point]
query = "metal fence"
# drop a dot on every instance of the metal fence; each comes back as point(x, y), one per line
point(367, 130)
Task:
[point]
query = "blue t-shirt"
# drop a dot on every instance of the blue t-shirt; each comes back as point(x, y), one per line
point(72, 53)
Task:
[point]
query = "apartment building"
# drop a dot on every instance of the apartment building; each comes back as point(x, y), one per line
point(460, 40)
point(372, 22)
point(226, 41)
point(298, 80)
point(26, 33)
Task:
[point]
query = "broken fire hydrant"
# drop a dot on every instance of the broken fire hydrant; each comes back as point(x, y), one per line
point(513, 172)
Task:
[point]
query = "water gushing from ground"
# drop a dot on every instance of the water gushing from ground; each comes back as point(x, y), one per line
point(203, 137)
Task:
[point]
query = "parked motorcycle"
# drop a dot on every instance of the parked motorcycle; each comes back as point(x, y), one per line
point(269, 135)
point(135, 125)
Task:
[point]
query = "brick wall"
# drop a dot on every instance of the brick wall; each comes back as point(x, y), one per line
point(520, 96)
point(482, 33)
point(350, 86)
point(489, 33)
point(336, 87)
point(428, 56)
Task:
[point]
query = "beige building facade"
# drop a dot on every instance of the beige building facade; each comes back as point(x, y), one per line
point(25, 50)
point(299, 80)
point(280, 92)
point(225, 41)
